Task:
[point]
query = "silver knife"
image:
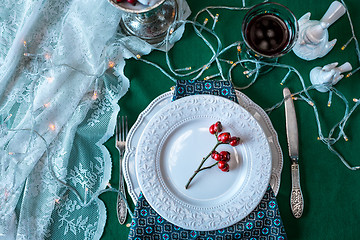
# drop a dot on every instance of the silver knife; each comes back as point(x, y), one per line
point(296, 199)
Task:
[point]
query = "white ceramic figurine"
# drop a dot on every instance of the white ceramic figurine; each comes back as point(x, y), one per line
point(324, 77)
point(313, 41)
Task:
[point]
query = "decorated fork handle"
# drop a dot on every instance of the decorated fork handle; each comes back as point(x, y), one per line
point(121, 208)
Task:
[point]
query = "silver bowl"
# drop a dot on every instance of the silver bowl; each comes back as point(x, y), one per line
point(148, 23)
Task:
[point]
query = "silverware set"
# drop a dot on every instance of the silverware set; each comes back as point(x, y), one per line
point(296, 198)
point(121, 131)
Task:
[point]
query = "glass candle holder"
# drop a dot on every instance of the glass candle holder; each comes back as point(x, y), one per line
point(149, 23)
point(269, 30)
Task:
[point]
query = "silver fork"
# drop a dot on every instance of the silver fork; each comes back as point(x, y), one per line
point(121, 131)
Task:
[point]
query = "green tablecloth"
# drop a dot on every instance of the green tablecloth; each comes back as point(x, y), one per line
point(331, 191)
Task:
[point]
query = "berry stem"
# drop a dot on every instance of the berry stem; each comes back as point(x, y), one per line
point(208, 167)
point(202, 163)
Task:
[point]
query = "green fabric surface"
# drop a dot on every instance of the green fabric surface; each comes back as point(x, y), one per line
point(331, 191)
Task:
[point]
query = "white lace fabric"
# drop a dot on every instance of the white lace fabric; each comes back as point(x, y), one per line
point(58, 102)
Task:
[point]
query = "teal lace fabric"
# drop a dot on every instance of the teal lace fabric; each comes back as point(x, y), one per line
point(263, 223)
point(61, 77)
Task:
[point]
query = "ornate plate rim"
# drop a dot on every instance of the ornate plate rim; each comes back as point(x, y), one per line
point(244, 101)
point(153, 184)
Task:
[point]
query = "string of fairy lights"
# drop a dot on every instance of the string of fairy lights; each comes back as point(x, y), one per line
point(191, 73)
point(46, 71)
point(329, 140)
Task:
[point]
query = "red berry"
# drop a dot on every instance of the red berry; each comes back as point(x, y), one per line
point(119, 1)
point(223, 166)
point(225, 156)
point(218, 126)
point(224, 137)
point(212, 129)
point(234, 141)
point(216, 156)
point(133, 2)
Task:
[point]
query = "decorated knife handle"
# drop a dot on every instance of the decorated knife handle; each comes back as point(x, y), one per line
point(296, 199)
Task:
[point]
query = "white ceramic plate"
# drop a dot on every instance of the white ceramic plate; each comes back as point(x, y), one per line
point(164, 99)
point(172, 146)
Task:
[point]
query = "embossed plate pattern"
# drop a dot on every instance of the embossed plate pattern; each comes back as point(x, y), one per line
point(164, 99)
point(172, 146)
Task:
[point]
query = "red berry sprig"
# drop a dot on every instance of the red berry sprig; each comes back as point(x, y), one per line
point(133, 2)
point(222, 158)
